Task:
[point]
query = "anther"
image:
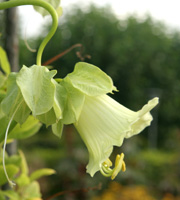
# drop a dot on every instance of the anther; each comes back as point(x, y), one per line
point(119, 164)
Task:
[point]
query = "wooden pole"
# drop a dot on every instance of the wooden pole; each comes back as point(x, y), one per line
point(11, 38)
point(12, 50)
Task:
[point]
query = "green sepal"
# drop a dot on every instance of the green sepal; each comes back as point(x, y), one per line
point(4, 61)
point(55, 113)
point(57, 128)
point(90, 80)
point(59, 100)
point(14, 102)
point(47, 118)
point(73, 104)
point(37, 88)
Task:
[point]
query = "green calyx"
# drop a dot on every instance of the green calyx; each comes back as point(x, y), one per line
point(35, 90)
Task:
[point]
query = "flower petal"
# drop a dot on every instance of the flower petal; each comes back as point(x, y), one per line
point(144, 118)
point(103, 123)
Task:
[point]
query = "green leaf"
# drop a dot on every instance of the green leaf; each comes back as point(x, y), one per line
point(27, 129)
point(90, 80)
point(22, 180)
point(12, 160)
point(4, 61)
point(10, 194)
point(47, 118)
point(58, 128)
point(41, 172)
point(31, 191)
point(24, 166)
point(37, 88)
point(2, 196)
point(14, 102)
point(74, 103)
point(54, 3)
point(11, 171)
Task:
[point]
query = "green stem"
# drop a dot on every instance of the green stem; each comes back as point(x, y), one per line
point(45, 5)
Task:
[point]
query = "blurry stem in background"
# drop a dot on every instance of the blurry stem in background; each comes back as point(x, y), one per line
point(45, 5)
point(78, 53)
point(83, 190)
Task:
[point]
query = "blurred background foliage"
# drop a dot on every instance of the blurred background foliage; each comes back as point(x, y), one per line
point(142, 57)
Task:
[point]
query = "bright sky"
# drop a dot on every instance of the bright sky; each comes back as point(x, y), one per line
point(167, 11)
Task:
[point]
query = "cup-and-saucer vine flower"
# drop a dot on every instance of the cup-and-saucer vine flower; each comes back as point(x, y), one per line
point(101, 121)
point(80, 99)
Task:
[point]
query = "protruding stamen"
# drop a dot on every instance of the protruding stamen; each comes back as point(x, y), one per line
point(104, 173)
point(119, 165)
point(107, 163)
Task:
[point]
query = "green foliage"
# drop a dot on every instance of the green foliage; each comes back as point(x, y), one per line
point(18, 171)
point(42, 172)
point(4, 61)
point(12, 102)
point(12, 170)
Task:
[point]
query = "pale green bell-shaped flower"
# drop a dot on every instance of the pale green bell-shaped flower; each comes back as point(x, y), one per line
point(104, 123)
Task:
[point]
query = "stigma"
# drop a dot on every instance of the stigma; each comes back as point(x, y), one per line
point(120, 165)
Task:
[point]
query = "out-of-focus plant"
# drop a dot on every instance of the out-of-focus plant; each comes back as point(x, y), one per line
point(116, 191)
